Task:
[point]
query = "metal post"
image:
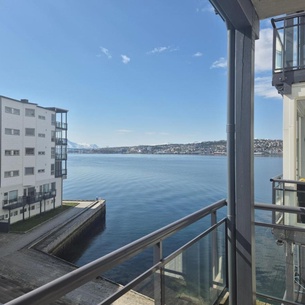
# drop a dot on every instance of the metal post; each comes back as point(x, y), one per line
point(159, 293)
point(231, 166)
point(289, 295)
point(214, 250)
point(273, 201)
point(244, 158)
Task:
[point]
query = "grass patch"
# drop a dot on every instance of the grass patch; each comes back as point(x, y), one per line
point(23, 226)
point(70, 203)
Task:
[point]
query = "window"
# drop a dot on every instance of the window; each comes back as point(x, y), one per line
point(41, 153)
point(53, 186)
point(41, 117)
point(29, 170)
point(11, 152)
point(53, 118)
point(9, 174)
point(52, 152)
point(53, 135)
point(29, 112)
point(30, 131)
point(10, 197)
point(41, 171)
point(52, 169)
point(41, 135)
point(11, 131)
point(12, 110)
point(30, 151)
point(46, 188)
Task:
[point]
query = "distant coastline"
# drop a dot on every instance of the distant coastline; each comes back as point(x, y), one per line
point(262, 147)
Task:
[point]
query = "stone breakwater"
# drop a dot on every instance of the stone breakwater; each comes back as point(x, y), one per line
point(63, 236)
point(26, 260)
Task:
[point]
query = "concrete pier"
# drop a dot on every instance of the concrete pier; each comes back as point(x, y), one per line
point(25, 262)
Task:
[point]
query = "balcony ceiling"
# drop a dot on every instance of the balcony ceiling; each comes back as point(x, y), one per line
point(271, 8)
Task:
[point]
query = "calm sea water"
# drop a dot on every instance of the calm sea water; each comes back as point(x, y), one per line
point(146, 192)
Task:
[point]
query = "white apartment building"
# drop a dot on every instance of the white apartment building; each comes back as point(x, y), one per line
point(33, 160)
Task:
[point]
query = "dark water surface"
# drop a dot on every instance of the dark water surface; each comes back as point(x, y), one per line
point(146, 192)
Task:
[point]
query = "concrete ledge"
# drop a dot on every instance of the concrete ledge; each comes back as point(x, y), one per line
point(27, 268)
point(72, 228)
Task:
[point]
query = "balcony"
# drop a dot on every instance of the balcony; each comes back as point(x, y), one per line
point(61, 125)
point(196, 272)
point(288, 51)
point(62, 156)
point(61, 172)
point(21, 201)
point(61, 141)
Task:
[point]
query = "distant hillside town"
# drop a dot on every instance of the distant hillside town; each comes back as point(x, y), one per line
point(263, 147)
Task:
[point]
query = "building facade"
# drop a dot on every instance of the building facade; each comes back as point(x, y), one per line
point(33, 159)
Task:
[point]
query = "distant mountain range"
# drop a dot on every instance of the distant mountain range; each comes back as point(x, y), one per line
point(261, 147)
point(81, 145)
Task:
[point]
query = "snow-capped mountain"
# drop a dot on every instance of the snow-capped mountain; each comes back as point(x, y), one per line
point(81, 145)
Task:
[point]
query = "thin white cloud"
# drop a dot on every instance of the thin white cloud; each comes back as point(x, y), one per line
point(125, 59)
point(124, 131)
point(264, 88)
point(150, 133)
point(153, 133)
point(106, 52)
point(197, 54)
point(205, 7)
point(159, 50)
point(263, 51)
point(220, 63)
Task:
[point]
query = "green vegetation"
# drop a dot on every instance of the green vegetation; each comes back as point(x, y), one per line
point(70, 203)
point(28, 224)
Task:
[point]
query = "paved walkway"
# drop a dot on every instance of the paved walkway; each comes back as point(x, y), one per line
point(12, 242)
point(23, 268)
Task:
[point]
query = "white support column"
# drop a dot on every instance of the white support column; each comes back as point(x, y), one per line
point(289, 137)
point(289, 130)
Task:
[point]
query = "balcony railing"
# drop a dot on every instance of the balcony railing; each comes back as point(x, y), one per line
point(61, 141)
point(61, 125)
point(289, 42)
point(178, 268)
point(21, 201)
point(288, 51)
point(62, 156)
point(290, 193)
point(182, 268)
point(61, 173)
point(280, 273)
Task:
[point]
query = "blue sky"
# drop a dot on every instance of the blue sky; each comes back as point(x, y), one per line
point(130, 72)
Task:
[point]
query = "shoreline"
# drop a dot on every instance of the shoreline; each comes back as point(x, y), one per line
point(27, 262)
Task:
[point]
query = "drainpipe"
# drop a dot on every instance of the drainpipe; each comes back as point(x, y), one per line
point(231, 166)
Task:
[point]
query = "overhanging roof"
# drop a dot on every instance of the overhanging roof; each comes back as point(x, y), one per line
point(243, 13)
point(271, 8)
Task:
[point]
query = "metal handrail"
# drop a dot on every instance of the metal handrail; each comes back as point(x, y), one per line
point(284, 68)
point(278, 179)
point(68, 282)
point(159, 265)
